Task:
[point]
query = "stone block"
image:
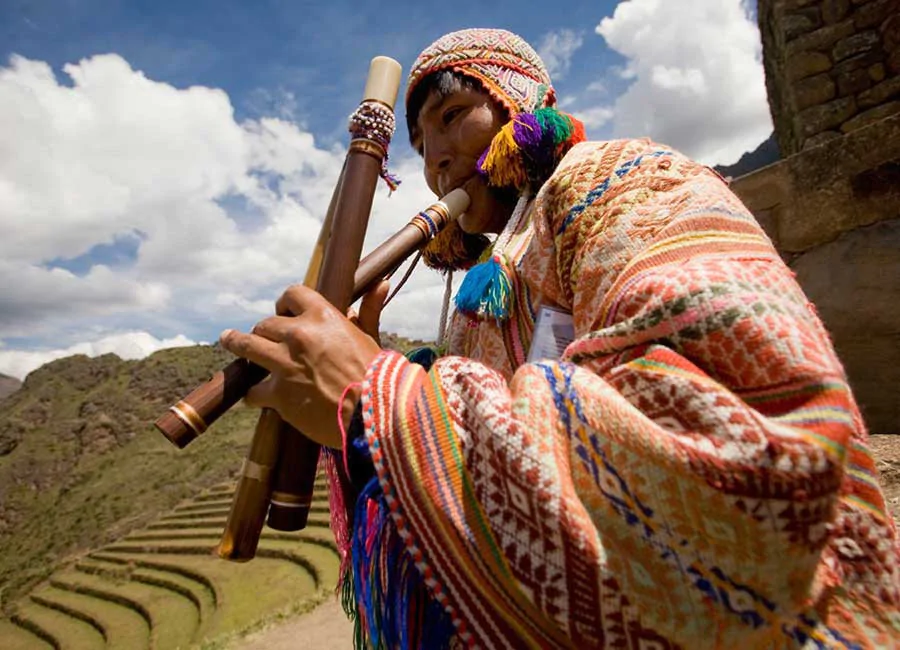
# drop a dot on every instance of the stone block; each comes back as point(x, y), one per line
point(806, 64)
point(834, 11)
point(879, 94)
point(820, 118)
point(893, 62)
point(860, 43)
point(854, 281)
point(890, 33)
point(813, 91)
point(819, 202)
point(820, 40)
point(877, 72)
point(799, 23)
point(854, 82)
point(871, 116)
point(821, 138)
point(875, 13)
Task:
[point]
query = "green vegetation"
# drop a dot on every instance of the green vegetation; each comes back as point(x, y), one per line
point(161, 587)
point(89, 560)
point(83, 464)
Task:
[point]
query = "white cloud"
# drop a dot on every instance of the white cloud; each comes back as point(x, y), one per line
point(556, 50)
point(697, 76)
point(116, 154)
point(127, 345)
point(596, 117)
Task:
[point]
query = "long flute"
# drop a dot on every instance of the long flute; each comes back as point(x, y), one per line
point(283, 485)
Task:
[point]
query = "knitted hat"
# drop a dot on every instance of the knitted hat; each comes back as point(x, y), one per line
point(508, 67)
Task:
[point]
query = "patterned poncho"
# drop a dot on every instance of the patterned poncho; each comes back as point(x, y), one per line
point(693, 473)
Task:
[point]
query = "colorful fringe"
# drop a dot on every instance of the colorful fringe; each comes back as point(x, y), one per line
point(529, 147)
point(395, 609)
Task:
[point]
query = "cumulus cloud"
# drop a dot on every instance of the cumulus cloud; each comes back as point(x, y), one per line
point(126, 345)
point(224, 213)
point(556, 49)
point(697, 80)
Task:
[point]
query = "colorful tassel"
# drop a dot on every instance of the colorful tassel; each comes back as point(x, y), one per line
point(453, 249)
point(529, 147)
point(486, 291)
point(395, 609)
point(501, 162)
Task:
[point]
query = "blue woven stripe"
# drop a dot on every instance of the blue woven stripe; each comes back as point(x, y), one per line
point(601, 189)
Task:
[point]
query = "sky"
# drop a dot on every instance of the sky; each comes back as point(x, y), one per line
point(165, 165)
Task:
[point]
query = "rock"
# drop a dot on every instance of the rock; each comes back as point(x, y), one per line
point(800, 23)
point(890, 32)
point(834, 10)
point(877, 72)
point(854, 282)
point(821, 138)
point(854, 82)
point(874, 13)
point(806, 64)
point(860, 43)
point(871, 116)
point(821, 39)
point(820, 118)
point(880, 93)
point(813, 91)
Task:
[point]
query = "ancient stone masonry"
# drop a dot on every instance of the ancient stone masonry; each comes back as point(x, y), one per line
point(832, 66)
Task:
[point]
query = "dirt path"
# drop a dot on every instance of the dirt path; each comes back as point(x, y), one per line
point(324, 628)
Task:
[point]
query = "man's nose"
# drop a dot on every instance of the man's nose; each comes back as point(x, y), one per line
point(438, 154)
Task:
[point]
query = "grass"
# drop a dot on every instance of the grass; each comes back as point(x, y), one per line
point(17, 638)
point(161, 586)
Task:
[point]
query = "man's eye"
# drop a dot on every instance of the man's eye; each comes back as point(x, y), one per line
point(449, 114)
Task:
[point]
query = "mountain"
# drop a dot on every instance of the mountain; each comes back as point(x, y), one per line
point(8, 385)
point(81, 464)
point(765, 154)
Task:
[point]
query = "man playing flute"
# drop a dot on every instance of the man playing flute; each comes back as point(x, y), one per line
point(690, 471)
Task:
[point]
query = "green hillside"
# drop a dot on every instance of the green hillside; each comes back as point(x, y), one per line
point(81, 465)
point(160, 587)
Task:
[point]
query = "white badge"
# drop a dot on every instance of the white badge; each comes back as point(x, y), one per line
point(553, 331)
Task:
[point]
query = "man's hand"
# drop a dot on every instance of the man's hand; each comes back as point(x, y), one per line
point(313, 353)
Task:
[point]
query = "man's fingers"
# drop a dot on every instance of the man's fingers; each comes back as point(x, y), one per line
point(370, 308)
point(298, 299)
point(261, 351)
point(275, 328)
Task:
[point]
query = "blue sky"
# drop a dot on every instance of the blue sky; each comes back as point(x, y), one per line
point(261, 52)
point(164, 165)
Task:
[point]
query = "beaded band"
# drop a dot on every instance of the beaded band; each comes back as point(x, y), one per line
point(374, 121)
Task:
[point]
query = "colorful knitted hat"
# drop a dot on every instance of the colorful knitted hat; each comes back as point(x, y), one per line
point(508, 67)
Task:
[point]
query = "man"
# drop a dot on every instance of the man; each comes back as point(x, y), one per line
point(692, 473)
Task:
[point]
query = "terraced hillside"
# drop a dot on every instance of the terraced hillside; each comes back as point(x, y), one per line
point(162, 588)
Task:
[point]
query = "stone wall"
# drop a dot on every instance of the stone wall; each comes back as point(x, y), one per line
point(833, 211)
point(832, 66)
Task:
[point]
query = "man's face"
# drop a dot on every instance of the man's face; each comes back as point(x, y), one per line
point(452, 133)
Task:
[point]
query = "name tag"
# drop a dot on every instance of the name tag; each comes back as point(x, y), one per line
point(553, 332)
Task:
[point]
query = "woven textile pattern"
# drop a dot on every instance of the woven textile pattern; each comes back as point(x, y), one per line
point(692, 474)
point(508, 67)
